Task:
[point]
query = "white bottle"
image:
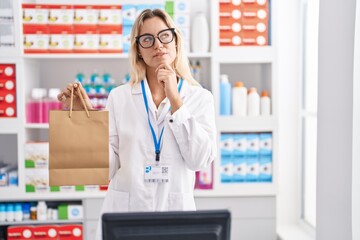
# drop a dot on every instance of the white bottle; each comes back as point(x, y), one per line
point(253, 103)
point(2, 212)
point(265, 104)
point(200, 33)
point(10, 212)
point(18, 214)
point(239, 99)
point(41, 211)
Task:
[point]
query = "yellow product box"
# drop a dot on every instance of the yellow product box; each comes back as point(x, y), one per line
point(86, 42)
point(110, 15)
point(35, 14)
point(111, 42)
point(62, 42)
point(86, 14)
point(61, 15)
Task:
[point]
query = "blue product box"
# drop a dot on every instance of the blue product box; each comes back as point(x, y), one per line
point(253, 144)
point(226, 145)
point(265, 168)
point(265, 143)
point(239, 144)
point(181, 6)
point(126, 38)
point(226, 169)
point(129, 12)
point(252, 168)
point(239, 168)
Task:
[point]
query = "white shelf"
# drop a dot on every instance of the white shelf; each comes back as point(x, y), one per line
point(14, 194)
point(246, 124)
point(37, 125)
point(96, 55)
point(245, 54)
point(37, 222)
point(239, 190)
point(10, 125)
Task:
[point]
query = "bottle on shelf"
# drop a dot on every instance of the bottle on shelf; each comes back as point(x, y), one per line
point(239, 99)
point(50, 103)
point(34, 106)
point(200, 34)
point(18, 213)
point(2, 212)
point(33, 213)
point(253, 102)
point(265, 104)
point(41, 211)
point(10, 217)
point(225, 95)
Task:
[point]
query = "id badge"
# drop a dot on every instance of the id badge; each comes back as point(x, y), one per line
point(157, 173)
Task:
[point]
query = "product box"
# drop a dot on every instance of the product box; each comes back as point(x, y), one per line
point(47, 232)
point(253, 144)
point(7, 91)
point(239, 168)
point(226, 169)
point(35, 17)
point(255, 3)
point(37, 155)
point(228, 38)
point(110, 17)
point(110, 42)
point(61, 17)
point(254, 40)
point(129, 13)
point(85, 17)
point(252, 168)
point(70, 232)
point(265, 168)
point(36, 180)
point(182, 20)
point(226, 144)
point(86, 42)
point(204, 178)
point(261, 14)
point(265, 143)
point(61, 41)
point(36, 41)
point(20, 232)
point(126, 38)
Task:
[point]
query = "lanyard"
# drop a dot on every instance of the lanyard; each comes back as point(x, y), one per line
point(157, 143)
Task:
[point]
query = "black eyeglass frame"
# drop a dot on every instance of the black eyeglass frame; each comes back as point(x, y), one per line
point(156, 36)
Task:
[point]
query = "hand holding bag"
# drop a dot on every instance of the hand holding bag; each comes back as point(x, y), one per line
point(79, 146)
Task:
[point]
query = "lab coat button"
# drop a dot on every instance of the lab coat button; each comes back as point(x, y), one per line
point(171, 120)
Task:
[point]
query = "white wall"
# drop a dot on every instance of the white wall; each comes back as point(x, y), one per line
point(288, 39)
point(335, 115)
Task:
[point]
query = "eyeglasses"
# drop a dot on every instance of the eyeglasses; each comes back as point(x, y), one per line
point(147, 40)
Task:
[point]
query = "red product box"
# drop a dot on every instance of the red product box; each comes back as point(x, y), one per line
point(35, 17)
point(61, 41)
point(110, 41)
point(70, 232)
point(19, 233)
point(255, 26)
point(110, 17)
point(35, 41)
point(229, 38)
point(61, 17)
point(86, 42)
point(256, 3)
point(86, 17)
point(261, 14)
point(7, 91)
point(47, 232)
point(254, 39)
point(7, 71)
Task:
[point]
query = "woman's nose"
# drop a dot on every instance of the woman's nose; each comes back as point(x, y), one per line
point(157, 43)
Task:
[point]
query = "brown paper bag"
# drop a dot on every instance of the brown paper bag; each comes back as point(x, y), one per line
point(79, 147)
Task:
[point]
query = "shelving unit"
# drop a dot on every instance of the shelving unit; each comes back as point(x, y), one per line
point(256, 66)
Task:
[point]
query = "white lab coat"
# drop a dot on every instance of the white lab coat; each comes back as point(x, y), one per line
point(188, 145)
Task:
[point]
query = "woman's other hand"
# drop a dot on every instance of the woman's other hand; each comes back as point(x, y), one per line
point(64, 97)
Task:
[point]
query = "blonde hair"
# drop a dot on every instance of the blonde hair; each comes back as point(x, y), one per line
point(137, 64)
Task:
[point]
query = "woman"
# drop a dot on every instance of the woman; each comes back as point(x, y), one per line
point(162, 124)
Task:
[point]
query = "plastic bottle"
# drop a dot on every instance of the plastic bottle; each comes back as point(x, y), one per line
point(225, 95)
point(41, 211)
point(26, 211)
point(80, 77)
point(2, 213)
point(10, 212)
point(18, 212)
point(200, 33)
point(33, 213)
point(34, 106)
point(50, 103)
point(253, 102)
point(239, 99)
point(265, 104)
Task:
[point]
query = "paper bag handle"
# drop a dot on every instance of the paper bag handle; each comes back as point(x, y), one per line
point(82, 101)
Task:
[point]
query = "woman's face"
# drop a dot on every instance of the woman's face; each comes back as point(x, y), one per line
point(159, 52)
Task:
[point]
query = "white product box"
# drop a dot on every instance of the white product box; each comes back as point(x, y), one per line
point(181, 6)
point(61, 42)
point(37, 155)
point(75, 212)
point(35, 14)
point(61, 15)
point(110, 15)
point(84, 14)
point(111, 42)
point(86, 42)
point(36, 42)
point(182, 20)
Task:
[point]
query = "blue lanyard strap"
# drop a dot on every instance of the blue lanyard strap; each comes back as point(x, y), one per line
point(157, 144)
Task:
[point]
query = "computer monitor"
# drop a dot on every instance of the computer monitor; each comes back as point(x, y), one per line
point(179, 225)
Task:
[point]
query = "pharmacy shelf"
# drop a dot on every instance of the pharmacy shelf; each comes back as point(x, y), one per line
point(96, 55)
point(239, 190)
point(16, 194)
point(37, 222)
point(246, 54)
point(10, 125)
point(37, 125)
point(246, 124)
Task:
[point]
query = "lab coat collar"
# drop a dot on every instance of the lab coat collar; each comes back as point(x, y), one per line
point(136, 89)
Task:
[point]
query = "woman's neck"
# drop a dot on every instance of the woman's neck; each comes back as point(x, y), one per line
point(156, 88)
